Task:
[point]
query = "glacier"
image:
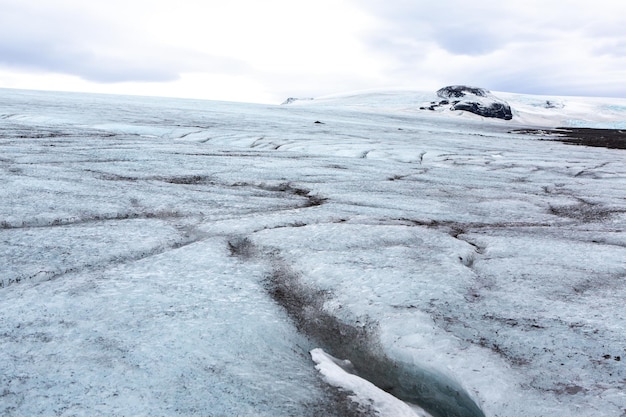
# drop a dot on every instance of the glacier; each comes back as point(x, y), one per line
point(202, 258)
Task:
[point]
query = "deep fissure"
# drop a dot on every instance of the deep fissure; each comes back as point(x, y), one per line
point(304, 305)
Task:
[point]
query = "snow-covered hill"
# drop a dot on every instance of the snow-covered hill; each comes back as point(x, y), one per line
point(528, 110)
point(197, 258)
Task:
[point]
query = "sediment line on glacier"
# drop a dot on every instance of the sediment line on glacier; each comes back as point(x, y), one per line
point(434, 392)
point(56, 273)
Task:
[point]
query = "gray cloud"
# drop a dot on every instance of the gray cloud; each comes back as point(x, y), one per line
point(613, 48)
point(49, 56)
point(533, 47)
point(453, 25)
point(66, 41)
point(468, 41)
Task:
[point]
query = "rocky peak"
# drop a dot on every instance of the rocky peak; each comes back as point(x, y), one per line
point(458, 91)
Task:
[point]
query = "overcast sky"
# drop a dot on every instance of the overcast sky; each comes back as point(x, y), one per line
point(267, 50)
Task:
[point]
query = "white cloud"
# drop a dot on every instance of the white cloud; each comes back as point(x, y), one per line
point(167, 42)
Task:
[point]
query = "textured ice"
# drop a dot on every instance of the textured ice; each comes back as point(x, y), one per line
point(139, 237)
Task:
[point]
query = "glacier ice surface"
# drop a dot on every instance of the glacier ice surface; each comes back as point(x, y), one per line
point(490, 257)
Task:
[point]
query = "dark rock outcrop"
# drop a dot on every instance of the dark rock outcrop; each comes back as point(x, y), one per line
point(500, 110)
point(294, 99)
point(458, 91)
point(472, 99)
point(549, 104)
